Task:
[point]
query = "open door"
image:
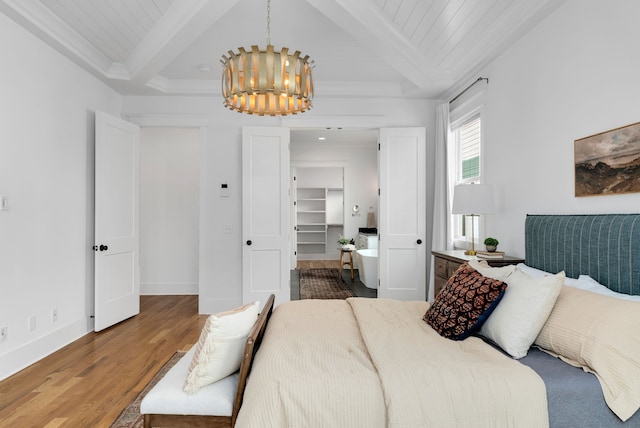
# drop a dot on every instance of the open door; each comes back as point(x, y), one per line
point(402, 224)
point(117, 196)
point(266, 227)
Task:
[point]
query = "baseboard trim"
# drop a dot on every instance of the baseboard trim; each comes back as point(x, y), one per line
point(22, 357)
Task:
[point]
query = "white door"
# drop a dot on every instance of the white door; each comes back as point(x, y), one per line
point(293, 192)
point(117, 183)
point(402, 225)
point(265, 214)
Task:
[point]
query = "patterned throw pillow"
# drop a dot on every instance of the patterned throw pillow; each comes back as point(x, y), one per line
point(464, 303)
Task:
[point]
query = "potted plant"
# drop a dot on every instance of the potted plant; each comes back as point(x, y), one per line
point(491, 244)
point(345, 243)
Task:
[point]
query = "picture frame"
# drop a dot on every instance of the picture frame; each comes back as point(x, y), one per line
point(608, 163)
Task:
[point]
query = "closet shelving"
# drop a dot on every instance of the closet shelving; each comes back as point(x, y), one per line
point(311, 215)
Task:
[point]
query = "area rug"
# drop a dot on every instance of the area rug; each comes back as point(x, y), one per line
point(322, 284)
point(130, 416)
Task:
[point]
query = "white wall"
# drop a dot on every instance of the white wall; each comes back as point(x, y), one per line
point(221, 253)
point(46, 169)
point(169, 210)
point(574, 75)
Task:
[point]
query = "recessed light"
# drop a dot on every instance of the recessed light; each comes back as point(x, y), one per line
point(321, 138)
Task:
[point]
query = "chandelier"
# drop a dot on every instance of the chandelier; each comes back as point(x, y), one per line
point(267, 82)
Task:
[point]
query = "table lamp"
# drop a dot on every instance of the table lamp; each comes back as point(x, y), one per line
point(473, 200)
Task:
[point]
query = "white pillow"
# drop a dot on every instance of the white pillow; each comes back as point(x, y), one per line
point(499, 273)
point(537, 273)
point(585, 282)
point(532, 272)
point(220, 347)
point(522, 312)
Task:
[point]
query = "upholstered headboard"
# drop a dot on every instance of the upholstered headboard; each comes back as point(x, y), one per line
point(603, 246)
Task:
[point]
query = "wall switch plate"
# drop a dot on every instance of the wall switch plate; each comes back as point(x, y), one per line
point(32, 323)
point(228, 229)
point(54, 314)
point(4, 332)
point(4, 203)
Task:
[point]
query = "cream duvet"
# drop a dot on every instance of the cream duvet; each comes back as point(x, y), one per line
point(375, 363)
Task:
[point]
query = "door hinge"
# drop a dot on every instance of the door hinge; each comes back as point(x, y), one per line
point(378, 146)
point(295, 178)
point(378, 191)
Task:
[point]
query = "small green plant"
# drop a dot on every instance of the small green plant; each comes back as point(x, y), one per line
point(343, 241)
point(491, 241)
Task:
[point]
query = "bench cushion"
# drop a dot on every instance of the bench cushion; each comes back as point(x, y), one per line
point(167, 397)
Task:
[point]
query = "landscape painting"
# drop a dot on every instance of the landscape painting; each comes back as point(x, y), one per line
point(609, 162)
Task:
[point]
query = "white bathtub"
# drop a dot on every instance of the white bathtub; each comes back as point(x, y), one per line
point(368, 267)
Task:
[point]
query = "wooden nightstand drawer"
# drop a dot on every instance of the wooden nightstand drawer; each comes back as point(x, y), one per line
point(452, 267)
point(440, 267)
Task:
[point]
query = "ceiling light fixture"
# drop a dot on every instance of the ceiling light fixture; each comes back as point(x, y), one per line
point(266, 82)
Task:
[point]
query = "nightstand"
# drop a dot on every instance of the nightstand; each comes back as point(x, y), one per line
point(446, 262)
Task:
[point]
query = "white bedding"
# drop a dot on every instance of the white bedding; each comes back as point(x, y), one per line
point(375, 363)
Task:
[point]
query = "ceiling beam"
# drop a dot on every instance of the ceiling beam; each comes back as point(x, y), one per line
point(183, 23)
point(363, 20)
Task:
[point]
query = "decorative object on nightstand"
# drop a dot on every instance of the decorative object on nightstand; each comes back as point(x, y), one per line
point(446, 262)
point(472, 200)
point(491, 244)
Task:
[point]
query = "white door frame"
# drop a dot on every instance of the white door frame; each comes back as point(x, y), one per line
point(188, 121)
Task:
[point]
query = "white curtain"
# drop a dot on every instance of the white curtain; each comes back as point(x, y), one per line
point(442, 234)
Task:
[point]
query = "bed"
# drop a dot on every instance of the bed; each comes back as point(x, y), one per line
point(387, 363)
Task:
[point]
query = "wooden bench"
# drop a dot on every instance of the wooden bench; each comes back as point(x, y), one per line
point(177, 417)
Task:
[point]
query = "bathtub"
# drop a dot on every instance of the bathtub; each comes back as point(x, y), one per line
point(368, 267)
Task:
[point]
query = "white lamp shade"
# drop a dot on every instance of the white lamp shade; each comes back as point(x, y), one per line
point(473, 199)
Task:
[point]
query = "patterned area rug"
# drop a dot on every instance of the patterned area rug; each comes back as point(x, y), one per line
point(322, 284)
point(130, 416)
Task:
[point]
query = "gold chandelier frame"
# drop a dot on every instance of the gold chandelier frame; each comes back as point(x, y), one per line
point(267, 82)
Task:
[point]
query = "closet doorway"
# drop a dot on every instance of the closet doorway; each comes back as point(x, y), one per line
point(318, 199)
point(354, 154)
point(169, 210)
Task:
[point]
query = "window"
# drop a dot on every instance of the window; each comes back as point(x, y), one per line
point(466, 139)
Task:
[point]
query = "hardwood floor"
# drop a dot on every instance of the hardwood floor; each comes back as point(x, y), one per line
point(317, 264)
point(89, 382)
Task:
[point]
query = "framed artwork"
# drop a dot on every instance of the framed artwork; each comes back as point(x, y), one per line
point(608, 163)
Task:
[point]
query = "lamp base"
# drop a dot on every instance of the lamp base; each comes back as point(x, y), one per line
point(470, 252)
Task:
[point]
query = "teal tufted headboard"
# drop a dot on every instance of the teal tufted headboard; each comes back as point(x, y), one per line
point(603, 246)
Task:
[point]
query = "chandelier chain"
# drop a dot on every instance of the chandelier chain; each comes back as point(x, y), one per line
point(268, 22)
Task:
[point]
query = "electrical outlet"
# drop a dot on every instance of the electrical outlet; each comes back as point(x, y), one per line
point(54, 314)
point(32, 323)
point(4, 332)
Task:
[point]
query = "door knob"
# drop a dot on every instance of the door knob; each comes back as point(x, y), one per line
point(103, 248)
point(95, 248)
point(419, 241)
point(249, 242)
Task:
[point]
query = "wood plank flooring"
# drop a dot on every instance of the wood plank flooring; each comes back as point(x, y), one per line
point(317, 264)
point(89, 382)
